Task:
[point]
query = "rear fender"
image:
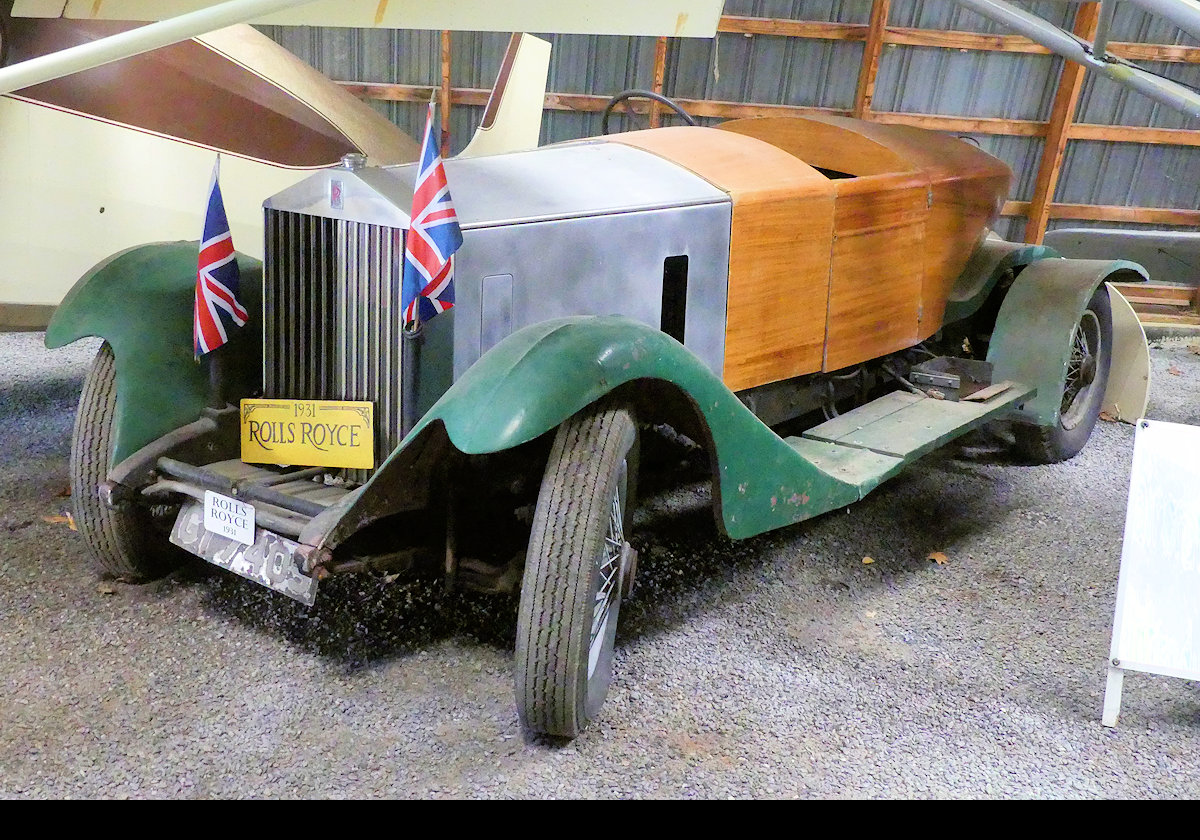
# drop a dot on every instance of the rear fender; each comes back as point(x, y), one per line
point(140, 301)
point(990, 262)
point(1031, 341)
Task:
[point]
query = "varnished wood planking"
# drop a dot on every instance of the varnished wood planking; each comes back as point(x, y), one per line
point(966, 184)
point(878, 267)
point(901, 233)
point(775, 326)
point(741, 166)
point(821, 143)
point(959, 216)
point(779, 254)
point(967, 187)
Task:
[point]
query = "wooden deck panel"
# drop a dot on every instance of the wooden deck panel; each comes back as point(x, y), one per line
point(877, 268)
point(960, 215)
point(779, 255)
point(829, 272)
point(968, 185)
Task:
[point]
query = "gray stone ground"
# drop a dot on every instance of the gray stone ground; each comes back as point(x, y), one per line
point(778, 666)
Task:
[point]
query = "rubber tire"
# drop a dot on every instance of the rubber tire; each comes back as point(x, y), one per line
point(1052, 444)
point(593, 457)
point(122, 541)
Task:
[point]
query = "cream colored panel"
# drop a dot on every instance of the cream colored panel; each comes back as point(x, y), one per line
point(376, 136)
point(516, 117)
point(685, 18)
point(1129, 378)
point(38, 8)
point(77, 190)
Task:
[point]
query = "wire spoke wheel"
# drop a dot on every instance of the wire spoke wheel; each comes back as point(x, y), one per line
point(571, 593)
point(1086, 348)
point(608, 594)
point(1084, 383)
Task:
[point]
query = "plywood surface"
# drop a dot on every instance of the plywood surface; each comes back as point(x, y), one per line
point(829, 272)
point(821, 144)
point(779, 254)
point(878, 268)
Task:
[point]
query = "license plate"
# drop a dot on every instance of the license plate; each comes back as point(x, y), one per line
point(271, 560)
point(308, 433)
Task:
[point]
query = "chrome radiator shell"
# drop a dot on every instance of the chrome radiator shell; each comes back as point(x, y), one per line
point(331, 315)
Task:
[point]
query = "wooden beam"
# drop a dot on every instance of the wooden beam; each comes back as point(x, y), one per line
point(445, 96)
point(742, 110)
point(1066, 100)
point(947, 39)
point(951, 40)
point(734, 110)
point(1110, 213)
point(963, 125)
point(660, 72)
point(1138, 215)
point(793, 28)
point(870, 60)
point(1134, 134)
point(1155, 52)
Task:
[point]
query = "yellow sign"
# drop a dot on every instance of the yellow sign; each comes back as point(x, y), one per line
point(308, 433)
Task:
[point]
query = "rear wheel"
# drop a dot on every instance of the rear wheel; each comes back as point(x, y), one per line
point(577, 560)
point(1082, 391)
point(123, 540)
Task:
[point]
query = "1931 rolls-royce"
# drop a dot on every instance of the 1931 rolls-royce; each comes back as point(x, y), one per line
point(832, 275)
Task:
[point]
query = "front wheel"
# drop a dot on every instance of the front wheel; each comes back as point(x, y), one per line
point(571, 593)
point(1082, 390)
point(123, 540)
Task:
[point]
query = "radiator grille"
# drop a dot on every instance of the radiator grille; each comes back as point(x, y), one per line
point(332, 316)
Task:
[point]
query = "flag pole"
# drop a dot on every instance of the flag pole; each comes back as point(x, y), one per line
point(412, 332)
point(217, 285)
point(216, 395)
point(410, 353)
point(216, 380)
point(410, 368)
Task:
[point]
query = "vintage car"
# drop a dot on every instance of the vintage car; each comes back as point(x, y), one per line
point(815, 301)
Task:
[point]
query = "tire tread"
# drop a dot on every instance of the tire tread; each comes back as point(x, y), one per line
point(118, 539)
point(555, 612)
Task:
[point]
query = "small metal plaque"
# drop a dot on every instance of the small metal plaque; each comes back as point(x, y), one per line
point(271, 560)
point(310, 433)
point(952, 377)
point(229, 517)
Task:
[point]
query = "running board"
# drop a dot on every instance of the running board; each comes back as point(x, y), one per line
point(872, 442)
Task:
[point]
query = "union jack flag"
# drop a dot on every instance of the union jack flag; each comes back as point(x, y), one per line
point(433, 237)
point(217, 277)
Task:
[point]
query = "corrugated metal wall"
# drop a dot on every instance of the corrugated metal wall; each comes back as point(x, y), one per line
point(773, 69)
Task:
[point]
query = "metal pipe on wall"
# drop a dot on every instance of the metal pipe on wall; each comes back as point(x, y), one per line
point(1183, 13)
point(1169, 93)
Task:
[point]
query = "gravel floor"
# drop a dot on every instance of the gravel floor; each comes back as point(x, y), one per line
point(779, 666)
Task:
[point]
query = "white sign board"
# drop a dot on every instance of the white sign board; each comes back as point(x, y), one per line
point(229, 517)
point(1156, 628)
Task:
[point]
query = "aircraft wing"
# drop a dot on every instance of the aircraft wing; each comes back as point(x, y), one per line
point(683, 18)
point(209, 91)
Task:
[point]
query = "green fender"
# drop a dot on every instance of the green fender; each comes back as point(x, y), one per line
point(1031, 341)
point(987, 265)
point(140, 301)
point(536, 378)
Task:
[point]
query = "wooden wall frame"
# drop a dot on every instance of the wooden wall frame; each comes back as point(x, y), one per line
point(1059, 130)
